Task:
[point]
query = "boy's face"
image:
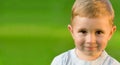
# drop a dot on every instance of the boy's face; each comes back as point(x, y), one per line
point(91, 34)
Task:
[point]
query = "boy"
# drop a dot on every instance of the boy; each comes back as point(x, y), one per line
point(91, 28)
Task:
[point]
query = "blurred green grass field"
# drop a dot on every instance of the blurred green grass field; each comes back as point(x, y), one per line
point(34, 32)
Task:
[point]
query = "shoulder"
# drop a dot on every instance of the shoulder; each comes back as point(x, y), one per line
point(61, 59)
point(113, 61)
point(108, 60)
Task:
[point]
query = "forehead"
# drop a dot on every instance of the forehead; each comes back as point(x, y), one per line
point(101, 22)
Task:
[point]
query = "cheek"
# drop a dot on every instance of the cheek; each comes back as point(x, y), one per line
point(78, 41)
point(102, 43)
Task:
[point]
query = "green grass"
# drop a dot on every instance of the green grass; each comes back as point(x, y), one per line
point(113, 46)
point(31, 45)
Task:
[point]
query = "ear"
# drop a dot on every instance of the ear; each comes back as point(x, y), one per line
point(114, 28)
point(112, 32)
point(70, 28)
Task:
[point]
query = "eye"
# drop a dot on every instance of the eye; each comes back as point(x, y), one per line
point(99, 32)
point(83, 31)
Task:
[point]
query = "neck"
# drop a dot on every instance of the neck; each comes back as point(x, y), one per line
point(88, 57)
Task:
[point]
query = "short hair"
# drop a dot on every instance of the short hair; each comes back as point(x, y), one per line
point(93, 9)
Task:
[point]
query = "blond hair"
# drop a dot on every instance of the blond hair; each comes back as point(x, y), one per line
point(93, 9)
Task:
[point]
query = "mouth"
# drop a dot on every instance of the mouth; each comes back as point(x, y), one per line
point(90, 48)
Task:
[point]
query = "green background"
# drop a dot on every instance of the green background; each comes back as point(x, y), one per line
point(33, 32)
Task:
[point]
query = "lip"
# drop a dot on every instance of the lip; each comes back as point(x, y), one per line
point(91, 48)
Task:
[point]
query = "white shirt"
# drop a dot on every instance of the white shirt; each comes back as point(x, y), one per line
point(70, 58)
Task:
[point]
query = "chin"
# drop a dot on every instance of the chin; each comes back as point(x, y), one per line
point(90, 53)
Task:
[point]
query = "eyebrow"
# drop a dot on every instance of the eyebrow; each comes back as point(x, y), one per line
point(87, 29)
point(100, 29)
point(82, 29)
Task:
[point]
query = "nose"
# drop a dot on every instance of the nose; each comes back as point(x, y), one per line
point(91, 38)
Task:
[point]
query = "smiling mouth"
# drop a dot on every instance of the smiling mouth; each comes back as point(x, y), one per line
point(91, 48)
